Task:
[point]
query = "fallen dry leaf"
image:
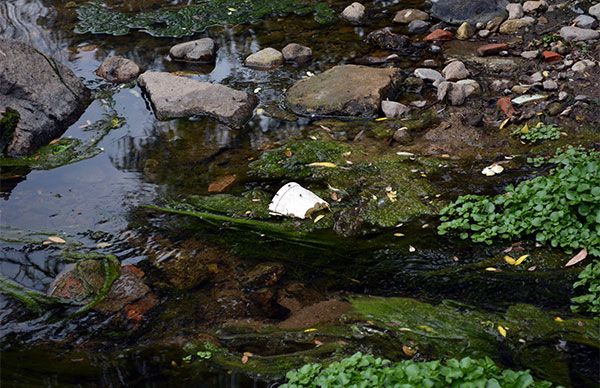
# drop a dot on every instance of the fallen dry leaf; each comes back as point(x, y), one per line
point(318, 218)
point(221, 184)
point(245, 359)
point(577, 258)
point(408, 351)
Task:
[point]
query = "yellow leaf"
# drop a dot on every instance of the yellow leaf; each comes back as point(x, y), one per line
point(502, 330)
point(408, 350)
point(318, 218)
point(558, 319)
point(525, 129)
point(399, 234)
point(521, 259)
point(510, 260)
point(323, 164)
point(426, 328)
point(492, 269)
point(310, 330)
point(381, 119)
point(504, 123)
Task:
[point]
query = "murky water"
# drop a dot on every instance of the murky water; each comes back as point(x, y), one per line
point(146, 160)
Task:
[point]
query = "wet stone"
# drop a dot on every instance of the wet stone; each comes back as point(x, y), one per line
point(294, 52)
point(439, 34)
point(346, 90)
point(174, 96)
point(264, 275)
point(118, 70)
point(406, 16)
point(265, 59)
point(418, 27)
point(387, 40)
point(201, 51)
point(465, 31)
point(394, 109)
point(473, 11)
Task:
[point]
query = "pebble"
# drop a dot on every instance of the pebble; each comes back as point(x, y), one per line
point(562, 96)
point(512, 26)
point(536, 77)
point(530, 54)
point(439, 34)
point(491, 49)
point(406, 16)
point(393, 109)
point(595, 11)
point(418, 27)
point(419, 103)
point(582, 66)
point(534, 6)
point(455, 71)
point(201, 51)
point(265, 59)
point(429, 75)
point(551, 56)
point(585, 21)
point(576, 34)
point(465, 31)
point(484, 33)
point(435, 48)
point(354, 12)
point(294, 52)
point(515, 11)
point(550, 85)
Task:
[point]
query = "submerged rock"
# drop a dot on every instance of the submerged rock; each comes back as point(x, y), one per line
point(201, 51)
point(118, 70)
point(418, 27)
point(294, 52)
point(265, 59)
point(472, 11)
point(387, 40)
point(45, 94)
point(174, 96)
point(346, 90)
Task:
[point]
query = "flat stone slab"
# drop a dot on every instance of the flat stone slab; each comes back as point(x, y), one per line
point(175, 96)
point(472, 11)
point(346, 90)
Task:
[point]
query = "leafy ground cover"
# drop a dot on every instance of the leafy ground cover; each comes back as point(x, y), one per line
point(363, 370)
point(560, 209)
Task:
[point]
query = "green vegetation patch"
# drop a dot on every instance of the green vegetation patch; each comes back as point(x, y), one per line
point(67, 150)
point(8, 124)
point(560, 209)
point(364, 370)
point(539, 133)
point(589, 281)
point(96, 18)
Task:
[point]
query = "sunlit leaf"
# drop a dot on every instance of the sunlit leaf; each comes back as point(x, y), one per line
point(577, 258)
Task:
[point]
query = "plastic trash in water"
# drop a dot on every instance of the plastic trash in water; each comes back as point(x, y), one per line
point(295, 201)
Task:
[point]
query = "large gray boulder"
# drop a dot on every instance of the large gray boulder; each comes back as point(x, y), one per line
point(346, 90)
point(174, 96)
point(46, 94)
point(472, 11)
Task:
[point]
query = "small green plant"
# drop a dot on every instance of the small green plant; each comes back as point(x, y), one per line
point(589, 279)
point(368, 371)
point(8, 123)
point(538, 133)
point(560, 209)
point(548, 39)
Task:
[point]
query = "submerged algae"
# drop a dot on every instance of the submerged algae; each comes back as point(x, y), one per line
point(96, 18)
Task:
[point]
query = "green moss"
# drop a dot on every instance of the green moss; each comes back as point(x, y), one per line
point(252, 204)
point(8, 124)
point(291, 161)
point(455, 330)
point(33, 300)
point(67, 150)
point(96, 18)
